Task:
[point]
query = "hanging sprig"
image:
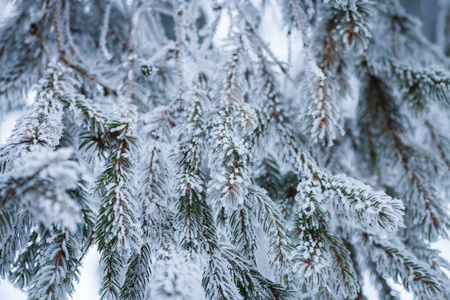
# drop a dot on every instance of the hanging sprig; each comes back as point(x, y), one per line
point(322, 113)
point(421, 86)
point(322, 118)
point(378, 106)
point(138, 275)
point(357, 201)
point(344, 279)
point(243, 235)
point(311, 257)
point(32, 171)
point(229, 185)
point(352, 31)
point(38, 130)
point(251, 283)
point(413, 274)
point(42, 187)
point(117, 232)
point(25, 266)
point(50, 264)
point(58, 267)
point(267, 91)
point(317, 250)
point(190, 190)
point(296, 15)
point(154, 213)
point(177, 277)
point(273, 225)
point(339, 31)
point(216, 279)
point(14, 232)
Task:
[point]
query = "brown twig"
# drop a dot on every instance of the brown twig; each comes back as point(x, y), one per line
point(65, 59)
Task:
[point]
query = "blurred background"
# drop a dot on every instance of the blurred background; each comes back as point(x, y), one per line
point(426, 11)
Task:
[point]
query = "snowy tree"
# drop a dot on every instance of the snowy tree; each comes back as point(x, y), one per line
point(168, 133)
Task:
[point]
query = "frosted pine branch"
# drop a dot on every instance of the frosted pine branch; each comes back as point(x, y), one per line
point(42, 188)
point(372, 209)
point(173, 137)
point(58, 267)
point(273, 225)
point(117, 233)
point(412, 273)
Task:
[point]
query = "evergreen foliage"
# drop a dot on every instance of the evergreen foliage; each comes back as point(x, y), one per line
point(177, 154)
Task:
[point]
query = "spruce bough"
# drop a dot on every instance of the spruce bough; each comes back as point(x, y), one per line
point(177, 154)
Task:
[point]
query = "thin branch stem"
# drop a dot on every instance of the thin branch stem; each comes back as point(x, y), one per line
point(67, 61)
